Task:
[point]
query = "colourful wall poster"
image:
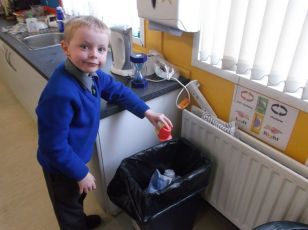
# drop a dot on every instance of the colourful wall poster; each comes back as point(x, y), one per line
point(263, 117)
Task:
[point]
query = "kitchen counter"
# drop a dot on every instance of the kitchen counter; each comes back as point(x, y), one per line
point(45, 60)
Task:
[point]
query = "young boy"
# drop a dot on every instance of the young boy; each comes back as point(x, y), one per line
point(68, 118)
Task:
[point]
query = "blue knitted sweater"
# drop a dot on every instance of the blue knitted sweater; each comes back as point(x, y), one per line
point(68, 120)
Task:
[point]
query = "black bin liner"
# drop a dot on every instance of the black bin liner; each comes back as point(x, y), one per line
point(282, 225)
point(127, 188)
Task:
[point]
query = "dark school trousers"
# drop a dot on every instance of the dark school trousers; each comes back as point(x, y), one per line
point(66, 200)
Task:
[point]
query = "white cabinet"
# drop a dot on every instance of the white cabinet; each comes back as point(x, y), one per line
point(122, 135)
point(25, 82)
point(3, 62)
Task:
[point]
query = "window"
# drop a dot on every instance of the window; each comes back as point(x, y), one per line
point(259, 44)
point(113, 12)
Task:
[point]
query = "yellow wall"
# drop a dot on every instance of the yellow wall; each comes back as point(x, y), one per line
point(219, 92)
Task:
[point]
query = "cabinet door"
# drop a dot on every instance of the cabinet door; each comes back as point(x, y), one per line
point(3, 63)
point(26, 83)
point(11, 72)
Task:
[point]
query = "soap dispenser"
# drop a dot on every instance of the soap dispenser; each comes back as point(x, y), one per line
point(60, 18)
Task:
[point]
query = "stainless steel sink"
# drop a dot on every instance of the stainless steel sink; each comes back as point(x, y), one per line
point(41, 41)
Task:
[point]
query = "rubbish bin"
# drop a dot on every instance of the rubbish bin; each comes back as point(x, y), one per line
point(173, 207)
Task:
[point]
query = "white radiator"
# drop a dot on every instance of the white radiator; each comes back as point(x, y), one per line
point(247, 186)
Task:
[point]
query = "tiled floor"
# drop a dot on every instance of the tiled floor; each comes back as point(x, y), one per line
point(24, 203)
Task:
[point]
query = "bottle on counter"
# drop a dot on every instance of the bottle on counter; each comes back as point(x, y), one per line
point(60, 18)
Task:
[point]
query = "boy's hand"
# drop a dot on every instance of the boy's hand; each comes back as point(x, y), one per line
point(87, 184)
point(155, 118)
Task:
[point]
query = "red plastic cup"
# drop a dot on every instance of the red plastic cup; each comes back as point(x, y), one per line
point(164, 133)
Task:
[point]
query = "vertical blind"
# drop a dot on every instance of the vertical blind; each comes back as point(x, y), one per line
point(114, 12)
point(258, 39)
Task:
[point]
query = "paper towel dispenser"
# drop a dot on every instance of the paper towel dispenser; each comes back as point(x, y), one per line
point(180, 14)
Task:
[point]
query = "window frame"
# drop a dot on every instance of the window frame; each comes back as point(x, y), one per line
point(242, 80)
point(140, 41)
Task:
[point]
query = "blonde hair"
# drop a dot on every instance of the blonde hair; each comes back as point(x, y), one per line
point(74, 23)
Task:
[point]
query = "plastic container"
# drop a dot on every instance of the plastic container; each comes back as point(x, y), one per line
point(175, 206)
point(32, 25)
point(51, 20)
point(164, 132)
point(170, 173)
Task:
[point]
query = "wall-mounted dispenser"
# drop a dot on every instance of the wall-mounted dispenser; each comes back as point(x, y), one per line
point(179, 14)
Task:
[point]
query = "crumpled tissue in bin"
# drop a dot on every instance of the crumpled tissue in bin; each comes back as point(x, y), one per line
point(127, 189)
point(159, 181)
